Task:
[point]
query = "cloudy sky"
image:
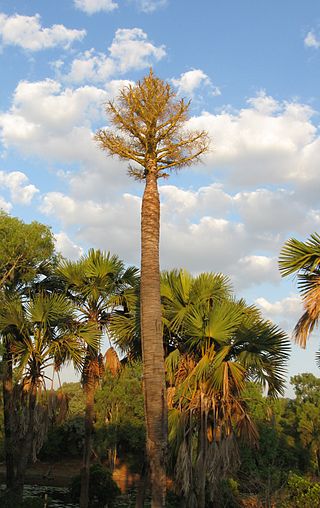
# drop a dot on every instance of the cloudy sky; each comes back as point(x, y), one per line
point(252, 72)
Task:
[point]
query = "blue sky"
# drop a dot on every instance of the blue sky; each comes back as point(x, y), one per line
point(252, 71)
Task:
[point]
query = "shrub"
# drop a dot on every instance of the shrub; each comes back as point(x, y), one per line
point(301, 493)
point(102, 488)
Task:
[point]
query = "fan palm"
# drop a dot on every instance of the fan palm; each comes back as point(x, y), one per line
point(43, 331)
point(220, 343)
point(96, 283)
point(303, 259)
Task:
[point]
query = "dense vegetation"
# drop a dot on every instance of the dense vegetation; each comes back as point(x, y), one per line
point(232, 438)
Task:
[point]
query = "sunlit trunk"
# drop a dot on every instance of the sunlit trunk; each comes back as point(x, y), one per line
point(152, 343)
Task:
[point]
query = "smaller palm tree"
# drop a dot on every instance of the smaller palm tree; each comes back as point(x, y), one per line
point(43, 331)
point(96, 284)
point(303, 259)
point(220, 344)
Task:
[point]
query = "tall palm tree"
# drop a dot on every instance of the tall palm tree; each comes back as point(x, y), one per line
point(96, 283)
point(220, 343)
point(149, 130)
point(303, 259)
point(43, 331)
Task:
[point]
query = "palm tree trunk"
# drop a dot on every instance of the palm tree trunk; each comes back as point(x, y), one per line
point(25, 450)
point(88, 424)
point(8, 409)
point(152, 343)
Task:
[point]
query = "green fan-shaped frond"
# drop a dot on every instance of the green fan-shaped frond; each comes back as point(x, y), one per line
point(296, 255)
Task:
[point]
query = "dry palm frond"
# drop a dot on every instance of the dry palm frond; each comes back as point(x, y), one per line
point(310, 318)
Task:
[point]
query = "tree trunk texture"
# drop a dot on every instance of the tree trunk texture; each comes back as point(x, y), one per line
point(201, 475)
point(152, 343)
point(8, 411)
point(25, 450)
point(89, 418)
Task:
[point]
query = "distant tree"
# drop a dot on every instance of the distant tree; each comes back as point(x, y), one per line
point(307, 389)
point(150, 131)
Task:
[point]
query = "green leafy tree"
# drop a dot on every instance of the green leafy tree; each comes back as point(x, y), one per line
point(120, 416)
point(307, 389)
point(149, 130)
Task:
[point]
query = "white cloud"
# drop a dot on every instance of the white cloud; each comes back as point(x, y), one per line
point(130, 50)
point(93, 6)
point(21, 191)
point(256, 269)
point(50, 121)
point(290, 305)
point(107, 225)
point(285, 312)
point(67, 247)
point(267, 142)
point(5, 205)
point(27, 32)
point(150, 5)
point(190, 81)
point(311, 41)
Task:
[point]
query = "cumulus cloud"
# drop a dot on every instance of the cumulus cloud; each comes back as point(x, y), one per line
point(257, 269)
point(107, 225)
point(289, 305)
point(27, 32)
point(190, 82)
point(93, 6)
point(311, 40)
point(130, 49)
point(67, 247)
point(21, 192)
point(267, 142)
point(5, 205)
point(45, 118)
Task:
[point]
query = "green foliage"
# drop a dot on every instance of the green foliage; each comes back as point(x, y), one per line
point(102, 488)
point(120, 416)
point(76, 399)
point(65, 440)
point(24, 248)
point(301, 493)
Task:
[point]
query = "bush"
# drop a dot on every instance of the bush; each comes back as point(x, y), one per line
point(102, 488)
point(301, 493)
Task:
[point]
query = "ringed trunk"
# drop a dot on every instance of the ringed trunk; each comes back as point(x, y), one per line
point(152, 343)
